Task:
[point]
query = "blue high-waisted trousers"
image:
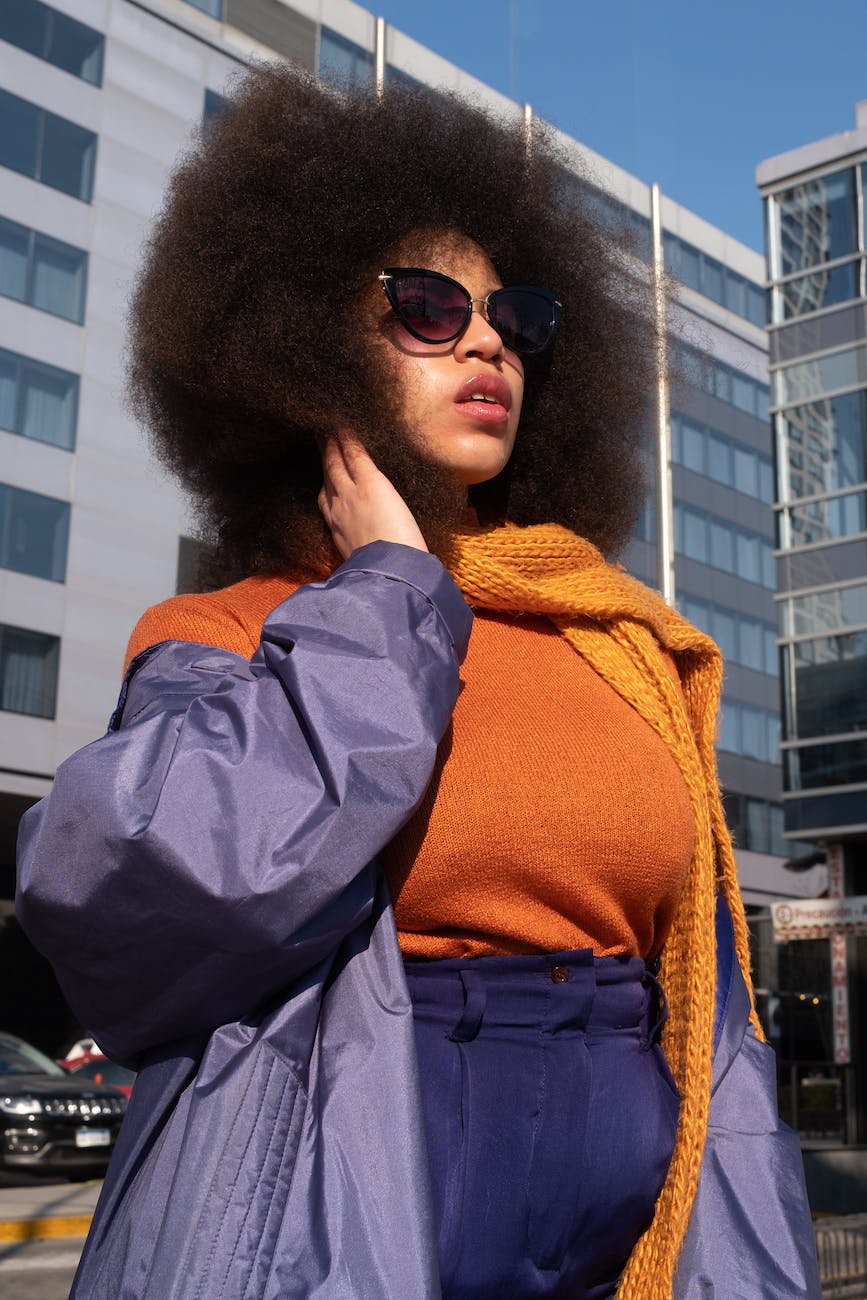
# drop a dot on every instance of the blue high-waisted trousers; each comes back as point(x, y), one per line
point(550, 1115)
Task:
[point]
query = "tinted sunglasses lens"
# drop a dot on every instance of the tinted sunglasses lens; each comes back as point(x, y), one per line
point(433, 309)
point(524, 319)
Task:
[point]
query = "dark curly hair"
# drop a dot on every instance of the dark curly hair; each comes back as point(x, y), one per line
point(245, 341)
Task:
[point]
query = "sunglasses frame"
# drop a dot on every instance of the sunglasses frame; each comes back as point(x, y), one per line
point(390, 274)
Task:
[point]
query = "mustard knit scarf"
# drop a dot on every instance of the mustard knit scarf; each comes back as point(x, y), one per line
point(621, 627)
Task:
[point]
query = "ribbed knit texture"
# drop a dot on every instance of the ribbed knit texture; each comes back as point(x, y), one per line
point(623, 631)
point(556, 818)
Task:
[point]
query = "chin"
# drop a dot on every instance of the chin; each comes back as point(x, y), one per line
point(469, 472)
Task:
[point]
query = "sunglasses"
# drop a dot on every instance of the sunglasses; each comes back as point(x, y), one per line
point(436, 309)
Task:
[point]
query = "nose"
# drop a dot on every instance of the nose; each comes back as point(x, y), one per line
point(479, 339)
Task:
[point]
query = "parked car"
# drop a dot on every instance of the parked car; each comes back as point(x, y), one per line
point(100, 1069)
point(81, 1050)
point(49, 1120)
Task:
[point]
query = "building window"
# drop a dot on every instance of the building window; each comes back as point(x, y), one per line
point(825, 521)
point(704, 372)
point(742, 640)
point(343, 62)
point(711, 453)
point(758, 826)
point(829, 610)
point(753, 733)
point(825, 287)
point(826, 444)
point(212, 7)
point(54, 36)
point(827, 677)
point(34, 532)
point(807, 380)
point(704, 274)
point(814, 766)
point(28, 671)
point(723, 545)
point(619, 220)
point(38, 401)
point(214, 105)
point(817, 222)
point(42, 272)
point(49, 148)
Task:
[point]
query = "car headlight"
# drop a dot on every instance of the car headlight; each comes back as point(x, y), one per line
point(20, 1105)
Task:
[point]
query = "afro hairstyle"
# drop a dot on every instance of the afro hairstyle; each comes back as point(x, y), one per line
point(244, 337)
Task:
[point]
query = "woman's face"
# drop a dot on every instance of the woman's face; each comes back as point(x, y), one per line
point(436, 382)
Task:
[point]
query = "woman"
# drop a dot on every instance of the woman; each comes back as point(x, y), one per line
point(377, 931)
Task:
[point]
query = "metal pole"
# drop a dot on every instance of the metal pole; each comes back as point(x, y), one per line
point(664, 493)
point(379, 56)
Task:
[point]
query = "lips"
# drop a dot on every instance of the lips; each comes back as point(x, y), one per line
point(491, 389)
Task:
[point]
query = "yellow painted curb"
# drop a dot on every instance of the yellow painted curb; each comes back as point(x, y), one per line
point(69, 1225)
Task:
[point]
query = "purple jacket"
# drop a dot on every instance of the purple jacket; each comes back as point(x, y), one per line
point(214, 857)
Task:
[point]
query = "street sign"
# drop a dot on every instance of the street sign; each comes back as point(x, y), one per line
point(819, 918)
point(839, 962)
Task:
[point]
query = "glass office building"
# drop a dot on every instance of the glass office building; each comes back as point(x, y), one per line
point(814, 199)
point(816, 268)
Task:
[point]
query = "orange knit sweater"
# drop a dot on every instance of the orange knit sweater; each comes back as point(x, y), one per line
point(556, 817)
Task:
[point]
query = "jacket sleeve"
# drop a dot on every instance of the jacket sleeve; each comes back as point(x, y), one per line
point(750, 1235)
point(217, 841)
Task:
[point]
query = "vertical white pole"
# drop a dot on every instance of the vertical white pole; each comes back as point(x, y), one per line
point(664, 494)
point(379, 56)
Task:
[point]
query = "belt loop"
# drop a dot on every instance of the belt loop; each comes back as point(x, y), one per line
point(657, 1007)
point(474, 1007)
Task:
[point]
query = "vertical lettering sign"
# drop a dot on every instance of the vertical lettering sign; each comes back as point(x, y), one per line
point(839, 964)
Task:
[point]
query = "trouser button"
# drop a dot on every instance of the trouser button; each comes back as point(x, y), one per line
point(560, 974)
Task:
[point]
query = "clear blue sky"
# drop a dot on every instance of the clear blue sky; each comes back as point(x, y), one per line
point(689, 93)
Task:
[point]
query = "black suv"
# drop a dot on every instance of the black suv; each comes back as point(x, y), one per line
point(50, 1121)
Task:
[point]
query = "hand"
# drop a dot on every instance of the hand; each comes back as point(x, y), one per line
point(357, 501)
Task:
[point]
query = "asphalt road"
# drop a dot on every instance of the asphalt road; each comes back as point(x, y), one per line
point(38, 1270)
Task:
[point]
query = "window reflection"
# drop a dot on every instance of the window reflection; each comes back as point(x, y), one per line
point(830, 684)
point(817, 221)
point(821, 521)
point(813, 766)
point(826, 445)
point(837, 607)
point(821, 288)
point(807, 380)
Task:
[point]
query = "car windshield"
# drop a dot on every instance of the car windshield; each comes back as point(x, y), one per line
point(103, 1071)
point(18, 1057)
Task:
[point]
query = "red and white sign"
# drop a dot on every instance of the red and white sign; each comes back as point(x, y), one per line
point(834, 853)
point(839, 962)
point(840, 1000)
point(819, 918)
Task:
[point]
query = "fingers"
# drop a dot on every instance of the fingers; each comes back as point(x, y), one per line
point(358, 503)
point(344, 457)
